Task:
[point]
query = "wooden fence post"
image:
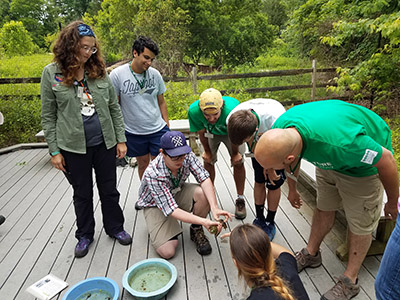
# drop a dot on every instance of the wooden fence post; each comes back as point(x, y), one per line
point(313, 79)
point(194, 80)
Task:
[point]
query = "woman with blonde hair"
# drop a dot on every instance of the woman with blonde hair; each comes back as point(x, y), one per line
point(84, 129)
point(269, 269)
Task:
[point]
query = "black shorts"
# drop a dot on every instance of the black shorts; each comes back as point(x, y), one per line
point(259, 176)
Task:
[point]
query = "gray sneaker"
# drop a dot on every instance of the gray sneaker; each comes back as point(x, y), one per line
point(305, 259)
point(344, 289)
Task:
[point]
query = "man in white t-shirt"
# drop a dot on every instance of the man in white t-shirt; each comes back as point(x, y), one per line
point(140, 90)
point(246, 123)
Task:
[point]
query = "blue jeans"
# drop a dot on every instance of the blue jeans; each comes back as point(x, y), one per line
point(387, 281)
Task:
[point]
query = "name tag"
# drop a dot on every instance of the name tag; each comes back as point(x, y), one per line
point(141, 91)
point(176, 190)
point(209, 135)
point(249, 154)
point(80, 92)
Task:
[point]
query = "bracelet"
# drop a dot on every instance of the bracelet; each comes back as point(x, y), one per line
point(54, 153)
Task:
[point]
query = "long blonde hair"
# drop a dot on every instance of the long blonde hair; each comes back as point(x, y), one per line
point(251, 250)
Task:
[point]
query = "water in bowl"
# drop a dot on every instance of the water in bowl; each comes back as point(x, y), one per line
point(150, 278)
point(95, 295)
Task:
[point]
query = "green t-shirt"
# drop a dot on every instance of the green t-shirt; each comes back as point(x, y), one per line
point(339, 136)
point(197, 121)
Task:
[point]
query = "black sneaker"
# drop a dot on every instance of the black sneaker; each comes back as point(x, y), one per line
point(82, 248)
point(202, 244)
point(123, 238)
point(2, 219)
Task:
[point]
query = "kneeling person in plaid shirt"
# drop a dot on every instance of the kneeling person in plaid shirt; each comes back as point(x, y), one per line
point(167, 199)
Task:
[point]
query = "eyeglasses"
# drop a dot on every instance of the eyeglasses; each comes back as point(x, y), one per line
point(87, 49)
point(176, 158)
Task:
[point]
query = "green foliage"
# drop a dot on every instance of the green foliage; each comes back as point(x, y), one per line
point(21, 121)
point(24, 66)
point(15, 40)
point(119, 23)
point(38, 17)
point(394, 124)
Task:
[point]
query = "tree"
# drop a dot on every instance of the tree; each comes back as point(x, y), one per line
point(15, 40)
point(361, 33)
point(38, 17)
point(120, 22)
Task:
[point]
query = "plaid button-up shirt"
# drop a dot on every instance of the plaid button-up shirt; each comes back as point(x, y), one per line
point(156, 186)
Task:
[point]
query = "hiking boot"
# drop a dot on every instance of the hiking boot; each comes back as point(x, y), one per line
point(269, 228)
point(82, 248)
point(138, 206)
point(123, 237)
point(305, 259)
point(2, 219)
point(202, 244)
point(344, 289)
point(240, 209)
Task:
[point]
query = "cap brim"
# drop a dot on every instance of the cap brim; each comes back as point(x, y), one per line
point(178, 151)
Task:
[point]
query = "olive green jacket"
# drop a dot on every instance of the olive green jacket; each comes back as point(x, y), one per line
point(61, 112)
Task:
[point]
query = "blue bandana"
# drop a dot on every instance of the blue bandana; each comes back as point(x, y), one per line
point(85, 30)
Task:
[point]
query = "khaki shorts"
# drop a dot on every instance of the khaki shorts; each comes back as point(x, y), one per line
point(162, 228)
point(360, 198)
point(214, 143)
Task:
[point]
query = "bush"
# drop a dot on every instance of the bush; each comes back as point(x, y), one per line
point(16, 40)
point(21, 121)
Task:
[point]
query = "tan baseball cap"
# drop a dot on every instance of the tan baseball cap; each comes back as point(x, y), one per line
point(210, 100)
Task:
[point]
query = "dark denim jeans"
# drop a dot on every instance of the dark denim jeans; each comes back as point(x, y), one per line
point(387, 283)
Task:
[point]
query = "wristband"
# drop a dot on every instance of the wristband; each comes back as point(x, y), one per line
point(54, 153)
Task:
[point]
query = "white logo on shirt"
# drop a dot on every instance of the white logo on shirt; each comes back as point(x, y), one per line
point(177, 140)
point(369, 156)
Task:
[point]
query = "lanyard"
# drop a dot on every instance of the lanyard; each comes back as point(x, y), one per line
point(256, 133)
point(210, 127)
point(84, 89)
point(141, 84)
point(175, 180)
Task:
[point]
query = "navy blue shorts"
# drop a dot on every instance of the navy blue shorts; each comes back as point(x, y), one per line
point(139, 145)
point(260, 178)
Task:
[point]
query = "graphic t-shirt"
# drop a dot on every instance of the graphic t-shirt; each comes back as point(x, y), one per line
point(91, 122)
point(340, 136)
point(139, 105)
point(197, 121)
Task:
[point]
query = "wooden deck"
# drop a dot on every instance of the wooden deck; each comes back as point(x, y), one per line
point(38, 235)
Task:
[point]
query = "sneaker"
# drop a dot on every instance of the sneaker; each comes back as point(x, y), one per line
point(123, 237)
point(132, 161)
point(305, 259)
point(137, 206)
point(344, 289)
point(269, 228)
point(121, 162)
point(2, 219)
point(240, 209)
point(202, 244)
point(82, 248)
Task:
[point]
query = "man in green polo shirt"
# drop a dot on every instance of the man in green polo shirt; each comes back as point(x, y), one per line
point(207, 117)
point(351, 149)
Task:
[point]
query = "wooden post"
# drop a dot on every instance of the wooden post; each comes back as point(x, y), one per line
point(194, 80)
point(314, 79)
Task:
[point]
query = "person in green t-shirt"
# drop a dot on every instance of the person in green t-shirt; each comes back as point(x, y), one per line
point(351, 149)
point(207, 117)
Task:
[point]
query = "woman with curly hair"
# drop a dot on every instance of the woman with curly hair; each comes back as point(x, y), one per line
point(84, 129)
point(269, 269)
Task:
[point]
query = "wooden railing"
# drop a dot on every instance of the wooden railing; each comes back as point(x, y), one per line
point(194, 78)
